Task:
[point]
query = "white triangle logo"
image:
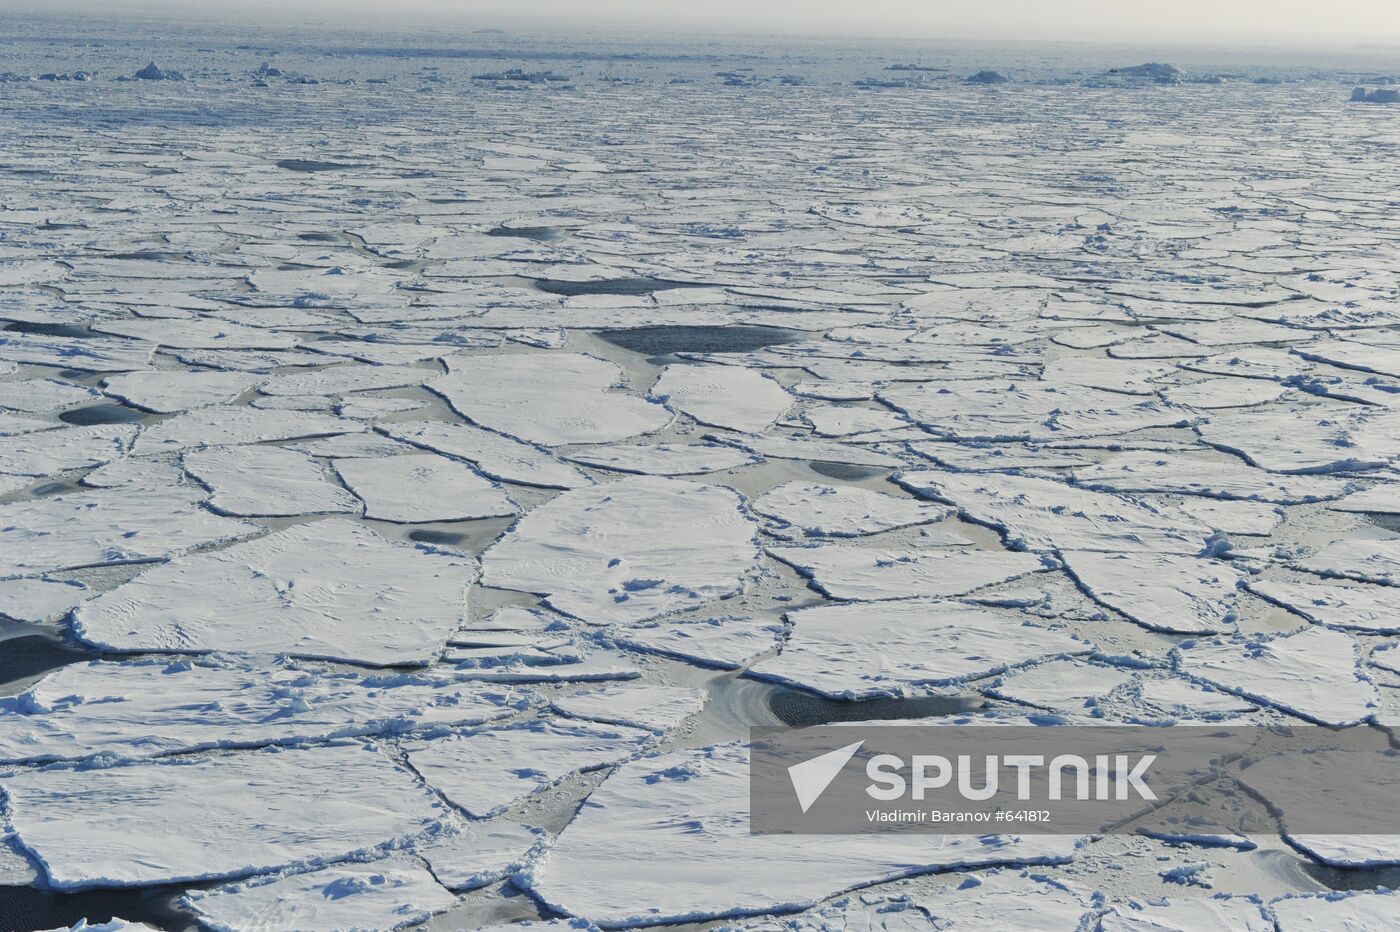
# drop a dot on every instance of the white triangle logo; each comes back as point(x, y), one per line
point(811, 777)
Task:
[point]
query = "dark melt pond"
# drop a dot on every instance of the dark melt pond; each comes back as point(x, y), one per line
point(802, 709)
point(664, 341)
point(618, 286)
point(538, 234)
point(311, 165)
point(101, 414)
point(49, 330)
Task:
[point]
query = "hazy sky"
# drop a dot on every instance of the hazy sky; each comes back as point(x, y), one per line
point(1222, 20)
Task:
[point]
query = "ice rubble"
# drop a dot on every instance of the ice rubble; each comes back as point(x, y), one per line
point(417, 488)
point(886, 648)
point(148, 708)
point(627, 551)
point(255, 812)
point(331, 589)
point(390, 894)
point(547, 398)
point(484, 772)
point(870, 573)
point(260, 481)
point(723, 396)
point(666, 839)
point(814, 510)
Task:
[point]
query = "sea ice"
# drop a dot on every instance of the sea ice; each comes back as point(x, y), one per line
point(627, 551)
point(259, 481)
point(869, 573)
point(723, 396)
point(654, 708)
point(495, 455)
point(1161, 591)
point(331, 589)
point(415, 488)
point(814, 510)
point(214, 817)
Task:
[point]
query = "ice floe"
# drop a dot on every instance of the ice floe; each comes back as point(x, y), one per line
point(416, 488)
point(247, 481)
point(814, 510)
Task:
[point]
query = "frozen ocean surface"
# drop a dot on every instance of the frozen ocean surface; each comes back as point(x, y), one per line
point(424, 455)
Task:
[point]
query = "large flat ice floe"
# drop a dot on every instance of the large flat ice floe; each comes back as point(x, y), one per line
point(629, 550)
point(809, 509)
point(1161, 591)
point(495, 455)
point(255, 812)
point(875, 649)
point(484, 772)
point(666, 839)
point(1314, 674)
point(331, 589)
point(551, 399)
point(260, 481)
point(871, 573)
point(148, 708)
point(723, 396)
point(411, 489)
point(390, 894)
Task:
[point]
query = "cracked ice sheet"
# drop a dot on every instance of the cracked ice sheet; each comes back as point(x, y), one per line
point(1314, 673)
point(36, 396)
point(723, 396)
point(422, 487)
point(1304, 441)
point(654, 708)
point(485, 772)
point(390, 894)
point(818, 451)
point(666, 839)
point(149, 708)
point(547, 398)
point(217, 426)
point(1063, 685)
point(862, 649)
point(500, 457)
point(870, 574)
point(1042, 514)
point(815, 510)
point(254, 812)
point(628, 551)
point(262, 481)
point(1161, 591)
point(332, 589)
point(127, 525)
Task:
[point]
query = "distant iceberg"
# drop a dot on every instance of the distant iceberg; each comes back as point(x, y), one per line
point(154, 72)
point(986, 77)
point(1380, 95)
point(1148, 73)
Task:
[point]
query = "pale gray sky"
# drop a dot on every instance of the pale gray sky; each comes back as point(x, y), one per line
point(1375, 21)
